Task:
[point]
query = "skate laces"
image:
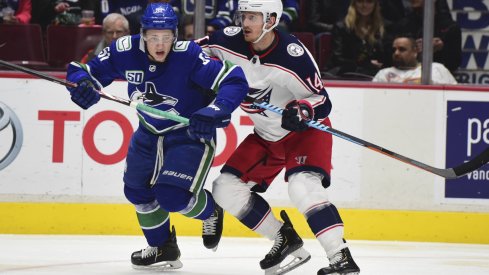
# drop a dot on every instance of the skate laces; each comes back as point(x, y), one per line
point(149, 251)
point(210, 225)
point(338, 257)
point(276, 245)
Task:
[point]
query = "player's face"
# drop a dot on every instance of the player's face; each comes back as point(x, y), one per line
point(252, 24)
point(159, 43)
point(404, 54)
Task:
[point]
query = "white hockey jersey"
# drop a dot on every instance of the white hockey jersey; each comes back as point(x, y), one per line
point(284, 72)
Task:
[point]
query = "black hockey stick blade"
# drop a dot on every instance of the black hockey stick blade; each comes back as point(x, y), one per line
point(473, 164)
point(448, 173)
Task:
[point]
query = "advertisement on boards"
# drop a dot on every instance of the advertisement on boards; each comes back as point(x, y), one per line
point(467, 136)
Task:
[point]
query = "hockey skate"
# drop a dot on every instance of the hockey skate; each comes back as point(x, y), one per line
point(342, 264)
point(287, 242)
point(212, 228)
point(160, 258)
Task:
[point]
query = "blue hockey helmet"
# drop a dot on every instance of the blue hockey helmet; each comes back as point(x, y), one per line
point(159, 16)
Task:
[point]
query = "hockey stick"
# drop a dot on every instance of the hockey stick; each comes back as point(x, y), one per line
point(133, 104)
point(449, 173)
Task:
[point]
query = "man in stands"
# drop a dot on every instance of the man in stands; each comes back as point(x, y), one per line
point(406, 67)
point(115, 25)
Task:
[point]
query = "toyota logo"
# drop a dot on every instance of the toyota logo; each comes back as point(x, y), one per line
point(8, 117)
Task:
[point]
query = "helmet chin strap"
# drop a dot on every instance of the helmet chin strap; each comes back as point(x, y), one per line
point(264, 31)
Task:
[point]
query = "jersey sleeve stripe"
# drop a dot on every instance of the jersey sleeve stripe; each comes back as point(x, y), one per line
point(212, 47)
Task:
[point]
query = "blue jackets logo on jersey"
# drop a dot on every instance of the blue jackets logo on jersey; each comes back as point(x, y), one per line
point(263, 94)
point(231, 31)
point(295, 50)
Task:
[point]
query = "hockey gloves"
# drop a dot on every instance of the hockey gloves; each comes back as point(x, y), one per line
point(84, 94)
point(296, 115)
point(203, 123)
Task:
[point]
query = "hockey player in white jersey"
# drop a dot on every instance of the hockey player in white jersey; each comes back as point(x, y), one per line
point(167, 162)
point(280, 71)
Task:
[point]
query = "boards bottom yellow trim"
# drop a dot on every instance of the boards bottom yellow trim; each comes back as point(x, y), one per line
point(360, 224)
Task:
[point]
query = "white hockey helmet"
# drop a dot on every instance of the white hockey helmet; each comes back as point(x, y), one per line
point(266, 7)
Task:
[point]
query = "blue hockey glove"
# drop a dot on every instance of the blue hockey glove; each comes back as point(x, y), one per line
point(296, 115)
point(84, 94)
point(204, 122)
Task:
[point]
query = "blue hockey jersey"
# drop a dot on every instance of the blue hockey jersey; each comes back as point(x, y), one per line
point(187, 81)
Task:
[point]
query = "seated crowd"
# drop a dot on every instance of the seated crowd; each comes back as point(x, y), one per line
point(364, 34)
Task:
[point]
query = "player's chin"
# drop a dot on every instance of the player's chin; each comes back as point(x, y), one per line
point(249, 38)
point(160, 56)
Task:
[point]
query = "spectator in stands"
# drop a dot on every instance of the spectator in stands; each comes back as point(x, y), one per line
point(322, 15)
point(131, 9)
point(447, 37)
point(15, 11)
point(218, 14)
point(186, 28)
point(357, 41)
point(115, 25)
point(406, 67)
point(68, 12)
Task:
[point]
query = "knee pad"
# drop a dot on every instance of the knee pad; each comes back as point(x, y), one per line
point(231, 193)
point(138, 195)
point(172, 198)
point(306, 191)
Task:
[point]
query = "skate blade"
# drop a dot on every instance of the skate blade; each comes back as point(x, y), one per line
point(300, 257)
point(161, 266)
point(347, 273)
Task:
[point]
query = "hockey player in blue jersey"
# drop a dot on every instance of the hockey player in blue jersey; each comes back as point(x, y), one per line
point(282, 72)
point(167, 162)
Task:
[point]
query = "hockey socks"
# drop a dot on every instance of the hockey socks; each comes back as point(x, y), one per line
point(326, 224)
point(259, 217)
point(155, 223)
point(200, 207)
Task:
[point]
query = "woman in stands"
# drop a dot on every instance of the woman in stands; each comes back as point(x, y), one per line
point(357, 40)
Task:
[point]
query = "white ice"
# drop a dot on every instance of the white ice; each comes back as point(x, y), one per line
point(84, 255)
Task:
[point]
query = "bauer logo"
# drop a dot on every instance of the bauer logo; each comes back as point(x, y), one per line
point(467, 136)
point(10, 136)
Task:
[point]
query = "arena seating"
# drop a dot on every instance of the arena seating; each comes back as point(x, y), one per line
point(68, 43)
point(324, 49)
point(22, 44)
